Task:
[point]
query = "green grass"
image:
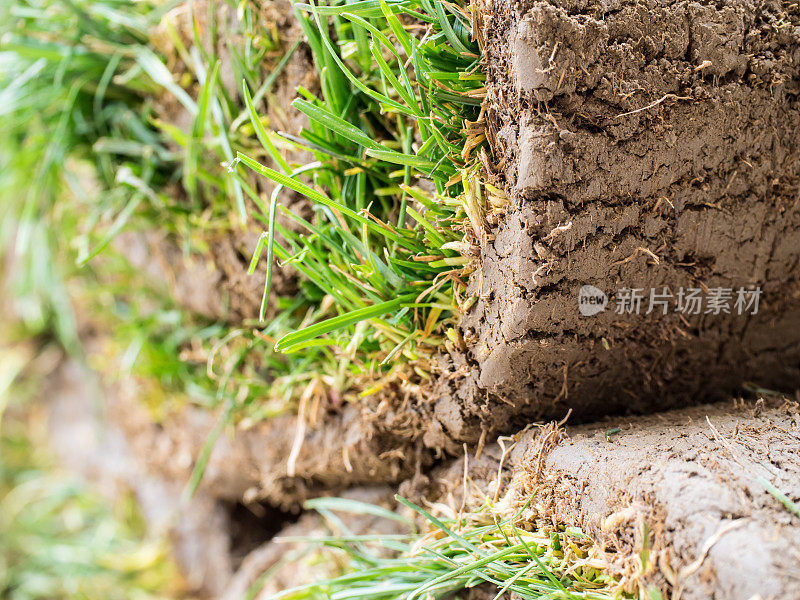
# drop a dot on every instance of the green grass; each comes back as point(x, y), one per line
point(488, 546)
point(84, 159)
point(178, 357)
point(72, 86)
point(87, 156)
point(780, 497)
point(396, 183)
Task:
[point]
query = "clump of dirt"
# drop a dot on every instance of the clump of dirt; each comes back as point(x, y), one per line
point(644, 145)
point(279, 461)
point(677, 500)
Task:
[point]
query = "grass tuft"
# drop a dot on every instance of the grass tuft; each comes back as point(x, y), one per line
point(456, 553)
point(395, 184)
point(74, 86)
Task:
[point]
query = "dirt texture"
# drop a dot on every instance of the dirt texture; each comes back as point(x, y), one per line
point(644, 145)
point(277, 461)
point(686, 487)
point(215, 284)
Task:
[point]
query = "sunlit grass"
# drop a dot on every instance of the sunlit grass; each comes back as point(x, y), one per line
point(397, 183)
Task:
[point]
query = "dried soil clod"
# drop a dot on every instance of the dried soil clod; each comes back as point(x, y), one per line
point(669, 174)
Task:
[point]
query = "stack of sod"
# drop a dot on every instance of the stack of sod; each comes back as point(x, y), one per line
point(382, 261)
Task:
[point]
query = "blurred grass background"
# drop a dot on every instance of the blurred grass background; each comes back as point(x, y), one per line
point(59, 537)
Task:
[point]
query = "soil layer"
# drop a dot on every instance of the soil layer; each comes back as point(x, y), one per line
point(687, 488)
point(280, 461)
point(644, 145)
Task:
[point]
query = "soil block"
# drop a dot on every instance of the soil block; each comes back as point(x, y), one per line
point(680, 500)
point(648, 146)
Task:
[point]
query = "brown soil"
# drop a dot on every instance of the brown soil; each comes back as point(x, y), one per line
point(361, 445)
point(215, 285)
point(644, 144)
point(692, 476)
point(686, 481)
